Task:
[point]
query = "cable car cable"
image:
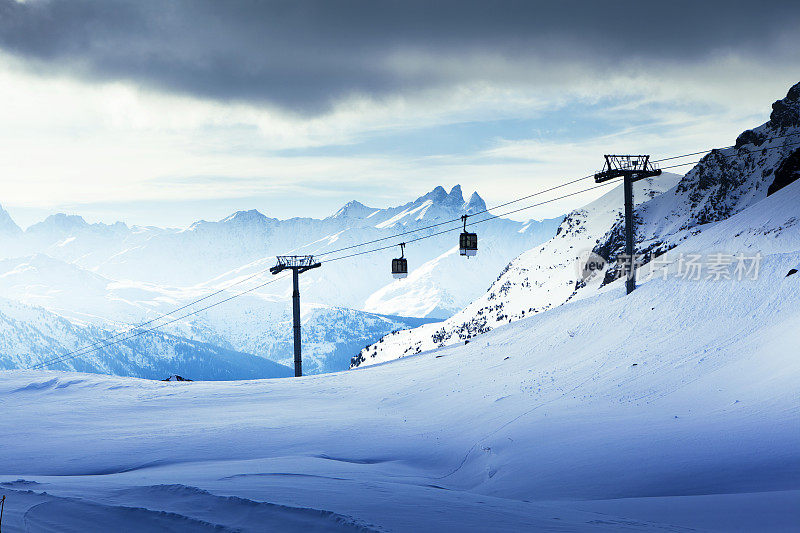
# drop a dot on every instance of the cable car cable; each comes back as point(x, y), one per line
point(108, 342)
point(380, 239)
point(449, 230)
point(722, 148)
point(141, 324)
point(85, 351)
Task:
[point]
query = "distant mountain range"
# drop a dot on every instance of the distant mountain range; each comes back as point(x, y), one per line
point(107, 277)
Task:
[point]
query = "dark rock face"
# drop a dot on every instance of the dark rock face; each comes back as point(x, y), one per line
point(794, 92)
point(749, 137)
point(788, 171)
point(714, 187)
point(786, 112)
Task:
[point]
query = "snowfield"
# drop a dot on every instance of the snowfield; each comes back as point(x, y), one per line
point(672, 409)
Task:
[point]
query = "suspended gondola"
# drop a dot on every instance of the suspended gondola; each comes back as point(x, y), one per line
point(400, 264)
point(468, 243)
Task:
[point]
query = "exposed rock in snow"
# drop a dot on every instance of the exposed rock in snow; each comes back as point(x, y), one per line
point(176, 377)
point(788, 172)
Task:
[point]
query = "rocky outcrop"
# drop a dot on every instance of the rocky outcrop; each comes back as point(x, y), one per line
point(786, 112)
point(787, 172)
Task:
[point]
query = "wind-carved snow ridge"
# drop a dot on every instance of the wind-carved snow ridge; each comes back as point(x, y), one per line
point(114, 276)
point(669, 209)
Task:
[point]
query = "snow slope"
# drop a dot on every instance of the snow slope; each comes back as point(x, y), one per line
point(722, 184)
point(672, 409)
point(537, 280)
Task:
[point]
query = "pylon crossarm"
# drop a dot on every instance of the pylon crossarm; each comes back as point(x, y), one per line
point(633, 167)
point(301, 262)
point(307, 268)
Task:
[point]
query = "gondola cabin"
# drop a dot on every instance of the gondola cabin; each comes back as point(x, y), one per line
point(400, 264)
point(468, 244)
point(400, 268)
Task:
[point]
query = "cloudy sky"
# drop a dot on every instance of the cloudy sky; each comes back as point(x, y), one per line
point(157, 112)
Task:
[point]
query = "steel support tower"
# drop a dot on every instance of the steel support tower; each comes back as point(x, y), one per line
point(297, 264)
point(631, 168)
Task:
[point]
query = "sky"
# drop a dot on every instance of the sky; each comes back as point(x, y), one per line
point(163, 113)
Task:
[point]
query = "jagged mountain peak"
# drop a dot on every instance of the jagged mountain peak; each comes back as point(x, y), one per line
point(440, 196)
point(456, 194)
point(353, 204)
point(353, 209)
point(59, 222)
point(248, 216)
point(62, 223)
point(7, 224)
point(437, 195)
point(786, 112)
point(475, 204)
point(794, 92)
point(239, 220)
point(438, 203)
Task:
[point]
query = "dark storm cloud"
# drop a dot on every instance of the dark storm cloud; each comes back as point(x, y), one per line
point(303, 56)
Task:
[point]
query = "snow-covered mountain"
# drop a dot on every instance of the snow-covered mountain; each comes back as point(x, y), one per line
point(257, 324)
point(113, 276)
point(723, 183)
point(31, 335)
point(8, 228)
point(364, 282)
